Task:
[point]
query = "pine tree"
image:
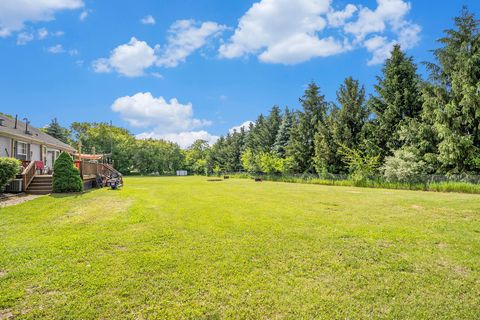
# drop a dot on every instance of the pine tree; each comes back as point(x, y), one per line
point(452, 101)
point(398, 100)
point(55, 130)
point(343, 127)
point(301, 145)
point(283, 136)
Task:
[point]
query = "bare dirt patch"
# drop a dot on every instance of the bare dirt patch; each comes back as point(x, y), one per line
point(17, 200)
point(6, 314)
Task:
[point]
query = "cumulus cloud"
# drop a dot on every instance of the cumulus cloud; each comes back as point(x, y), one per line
point(169, 120)
point(15, 13)
point(148, 20)
point(185, 37)
point(245, 126)
point(183, 139)
point(291, 32)
point(24, 37)
point(129, 59)
point(133, 58)
point(56, 49)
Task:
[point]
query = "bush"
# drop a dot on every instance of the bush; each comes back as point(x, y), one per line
point(66, 178)
point(403, 166)
point(9, 167)
point(362, 167)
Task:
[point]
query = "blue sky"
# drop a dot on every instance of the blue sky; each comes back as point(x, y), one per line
point(188, 69)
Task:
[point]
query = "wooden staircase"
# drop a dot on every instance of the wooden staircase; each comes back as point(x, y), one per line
point(41, 185)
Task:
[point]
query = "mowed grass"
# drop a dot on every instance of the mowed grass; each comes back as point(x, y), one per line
point(186, 248)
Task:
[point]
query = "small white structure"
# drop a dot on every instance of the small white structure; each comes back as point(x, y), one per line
point(182, 173)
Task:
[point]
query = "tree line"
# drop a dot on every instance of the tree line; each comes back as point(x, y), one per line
point(409, 127)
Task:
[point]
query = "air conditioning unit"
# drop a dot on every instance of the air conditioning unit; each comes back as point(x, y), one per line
point(15, 186)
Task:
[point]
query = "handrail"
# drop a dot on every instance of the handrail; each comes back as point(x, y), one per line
point(28, 174)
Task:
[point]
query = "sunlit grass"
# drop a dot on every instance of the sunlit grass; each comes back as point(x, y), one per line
point(188, 248)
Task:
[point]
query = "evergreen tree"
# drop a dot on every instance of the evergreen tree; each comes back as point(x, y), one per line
point(271, 128)
point(452, 101)
point(343, 127)
point(301, 146)
point(283, 135)
point(398, 101)
point(55, 130)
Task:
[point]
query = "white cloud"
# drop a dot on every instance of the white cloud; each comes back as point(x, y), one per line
point(15, 13)
point(24, 37)
point(144, 110)
point(273, 25)
point(129, 59)
point(148, 20)
point(56, 49)
point(42, 33)
point(338, 18)
point(83, 15)
point(133, 58)
point(245, 126)
point(291, 32)
point(171, 120)
point(185, 37)
point(183, 139)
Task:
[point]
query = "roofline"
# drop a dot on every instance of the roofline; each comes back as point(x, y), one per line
point(31, 139)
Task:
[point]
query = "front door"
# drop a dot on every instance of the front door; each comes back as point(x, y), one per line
point(49, 160)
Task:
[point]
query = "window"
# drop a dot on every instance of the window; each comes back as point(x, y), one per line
point(22, 151)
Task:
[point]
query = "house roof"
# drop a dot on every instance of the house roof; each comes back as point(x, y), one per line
point(34, 135)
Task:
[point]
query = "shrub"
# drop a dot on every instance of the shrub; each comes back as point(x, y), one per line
point(361, 166)
point(9, 167)
point(403, 166)
point(66, 178)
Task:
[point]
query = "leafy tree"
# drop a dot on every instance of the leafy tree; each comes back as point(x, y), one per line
point(397, 101)
point(157, 157)
point(196, 157)
point(361, 165)
point(250, 161)
point(66, 178)
point(452, 100)
point(55, 130)
point(106, 139)
point(301, 145)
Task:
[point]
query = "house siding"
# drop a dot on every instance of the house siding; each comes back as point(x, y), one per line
point(5, 143)
point(35, 152)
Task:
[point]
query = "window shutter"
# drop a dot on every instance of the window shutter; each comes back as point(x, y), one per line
point(15, 146)
point(29, 156)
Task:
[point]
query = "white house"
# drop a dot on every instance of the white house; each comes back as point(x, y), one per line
point(21, 141)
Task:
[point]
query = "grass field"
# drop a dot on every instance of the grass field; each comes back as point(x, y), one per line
point(187, 248)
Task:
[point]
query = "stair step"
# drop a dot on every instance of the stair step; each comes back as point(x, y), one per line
point(40, 183)
point(39, 192)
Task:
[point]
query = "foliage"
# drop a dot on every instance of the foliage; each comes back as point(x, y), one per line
point(398, 99)
point(157, 157)
point(196, 157)
point(361, 166)
point(55, 130)
point(452, 99)
point(9, 167)
point(284, 132)
point(301, 146)
point(403, 166)
point(66, 177)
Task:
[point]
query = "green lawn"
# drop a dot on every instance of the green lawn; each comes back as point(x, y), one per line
point(188, 248)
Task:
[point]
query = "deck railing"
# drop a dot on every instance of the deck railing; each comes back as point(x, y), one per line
point(28, 174)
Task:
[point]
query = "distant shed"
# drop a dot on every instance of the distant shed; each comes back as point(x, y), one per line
point(182, 173)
